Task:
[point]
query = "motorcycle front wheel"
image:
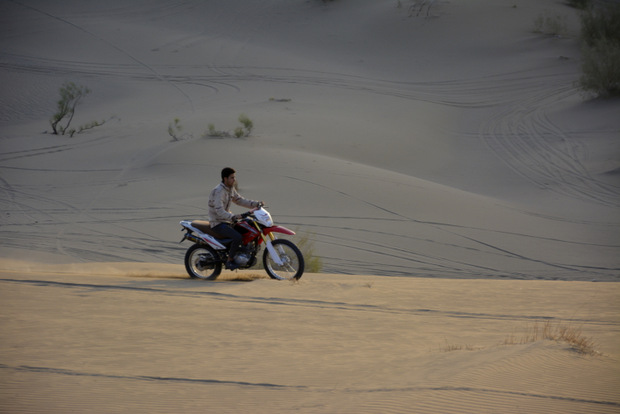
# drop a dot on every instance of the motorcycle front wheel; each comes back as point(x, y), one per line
point(202, 262)
point(293, 261)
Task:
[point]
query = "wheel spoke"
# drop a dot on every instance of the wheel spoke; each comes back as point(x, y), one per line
point(201, 262)
point(291, 258)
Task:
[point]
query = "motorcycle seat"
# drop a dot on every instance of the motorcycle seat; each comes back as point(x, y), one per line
point(205, 227)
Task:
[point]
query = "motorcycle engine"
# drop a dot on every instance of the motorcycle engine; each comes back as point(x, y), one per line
point(243, 257)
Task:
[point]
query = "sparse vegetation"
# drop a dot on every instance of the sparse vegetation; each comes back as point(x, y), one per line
point(85, 127)
point(580, 4)
point(70, 95)
point(214, 133)
point(557, 332)
point(550, 25)
point(600, 32)
point(447, 347)
point(242, 131)
point(175, 130)
point(305, 242)
point(247, 124)
point(547, 331)
point(417, 7)
point(313, 263)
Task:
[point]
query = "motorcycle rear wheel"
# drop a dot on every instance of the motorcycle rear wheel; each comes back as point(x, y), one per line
point(202, 262)
point(293, 266)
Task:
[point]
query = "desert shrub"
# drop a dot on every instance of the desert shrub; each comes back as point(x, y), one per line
point(242, 131)
point(580, 4)
point(551, 25)
point(313, 263)
point(212, 132)
point(247, 123)
point(175, 130)
point(598, 23)
point(70, 95)
point(305, 242)
point(557, 332)
point(449, 347)
point(601, 68)
point(85, 127)
point(600, 32)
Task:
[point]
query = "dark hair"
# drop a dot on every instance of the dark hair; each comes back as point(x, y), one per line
point(227, 172)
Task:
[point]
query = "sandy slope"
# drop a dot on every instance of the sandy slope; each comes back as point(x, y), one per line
point(140, 338)
point(435, 146)
point(450, 146)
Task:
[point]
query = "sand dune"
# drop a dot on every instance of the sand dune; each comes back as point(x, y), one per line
point(421, 150)
point(436, 146)
point(134, 338)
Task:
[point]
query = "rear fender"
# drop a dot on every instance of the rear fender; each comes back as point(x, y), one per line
point(206, 238)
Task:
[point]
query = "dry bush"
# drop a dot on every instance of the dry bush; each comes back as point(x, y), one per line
point(305, 242)
point(600, 32)
point(550, 25)
point(447, 347)
point(557, 332)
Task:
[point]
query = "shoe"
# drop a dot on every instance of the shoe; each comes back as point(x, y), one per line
point(231, 265)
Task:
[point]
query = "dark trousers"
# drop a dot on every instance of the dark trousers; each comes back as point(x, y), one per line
point(228, 232)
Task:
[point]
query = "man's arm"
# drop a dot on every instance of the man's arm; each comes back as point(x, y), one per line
point(243, 202)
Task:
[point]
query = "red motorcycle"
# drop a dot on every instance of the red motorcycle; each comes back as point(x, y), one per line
point(282, 259)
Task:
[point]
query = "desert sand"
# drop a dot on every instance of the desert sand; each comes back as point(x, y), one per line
point(458, 187)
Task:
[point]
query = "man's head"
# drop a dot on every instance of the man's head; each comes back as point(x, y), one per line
point(228, 176)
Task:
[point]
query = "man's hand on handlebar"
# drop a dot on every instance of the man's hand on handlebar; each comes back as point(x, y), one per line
point(239, 217)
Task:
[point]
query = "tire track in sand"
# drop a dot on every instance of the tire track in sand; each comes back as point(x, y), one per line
point(114, 46)
point(525, 138)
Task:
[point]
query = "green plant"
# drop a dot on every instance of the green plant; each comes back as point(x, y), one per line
point(239, 132)
point(175, 130)
point(70, 95)
point(215, 133)
point(600, 32)
point(85, 127)
point(247, 123)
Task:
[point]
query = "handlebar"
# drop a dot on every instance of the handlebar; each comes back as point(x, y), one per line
point(249, 213)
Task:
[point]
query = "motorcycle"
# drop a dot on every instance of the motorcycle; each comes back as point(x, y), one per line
point(282, 259)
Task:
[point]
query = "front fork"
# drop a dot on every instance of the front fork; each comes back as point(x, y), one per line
point(272, 251)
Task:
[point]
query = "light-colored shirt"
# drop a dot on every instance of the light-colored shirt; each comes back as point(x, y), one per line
point(219, 204)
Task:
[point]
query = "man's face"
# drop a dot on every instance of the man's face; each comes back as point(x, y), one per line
point(230, 180)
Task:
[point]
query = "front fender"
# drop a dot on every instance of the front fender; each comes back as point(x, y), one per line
point(278, 229)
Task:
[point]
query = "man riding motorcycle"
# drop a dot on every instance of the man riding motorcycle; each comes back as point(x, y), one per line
point(220, 217)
